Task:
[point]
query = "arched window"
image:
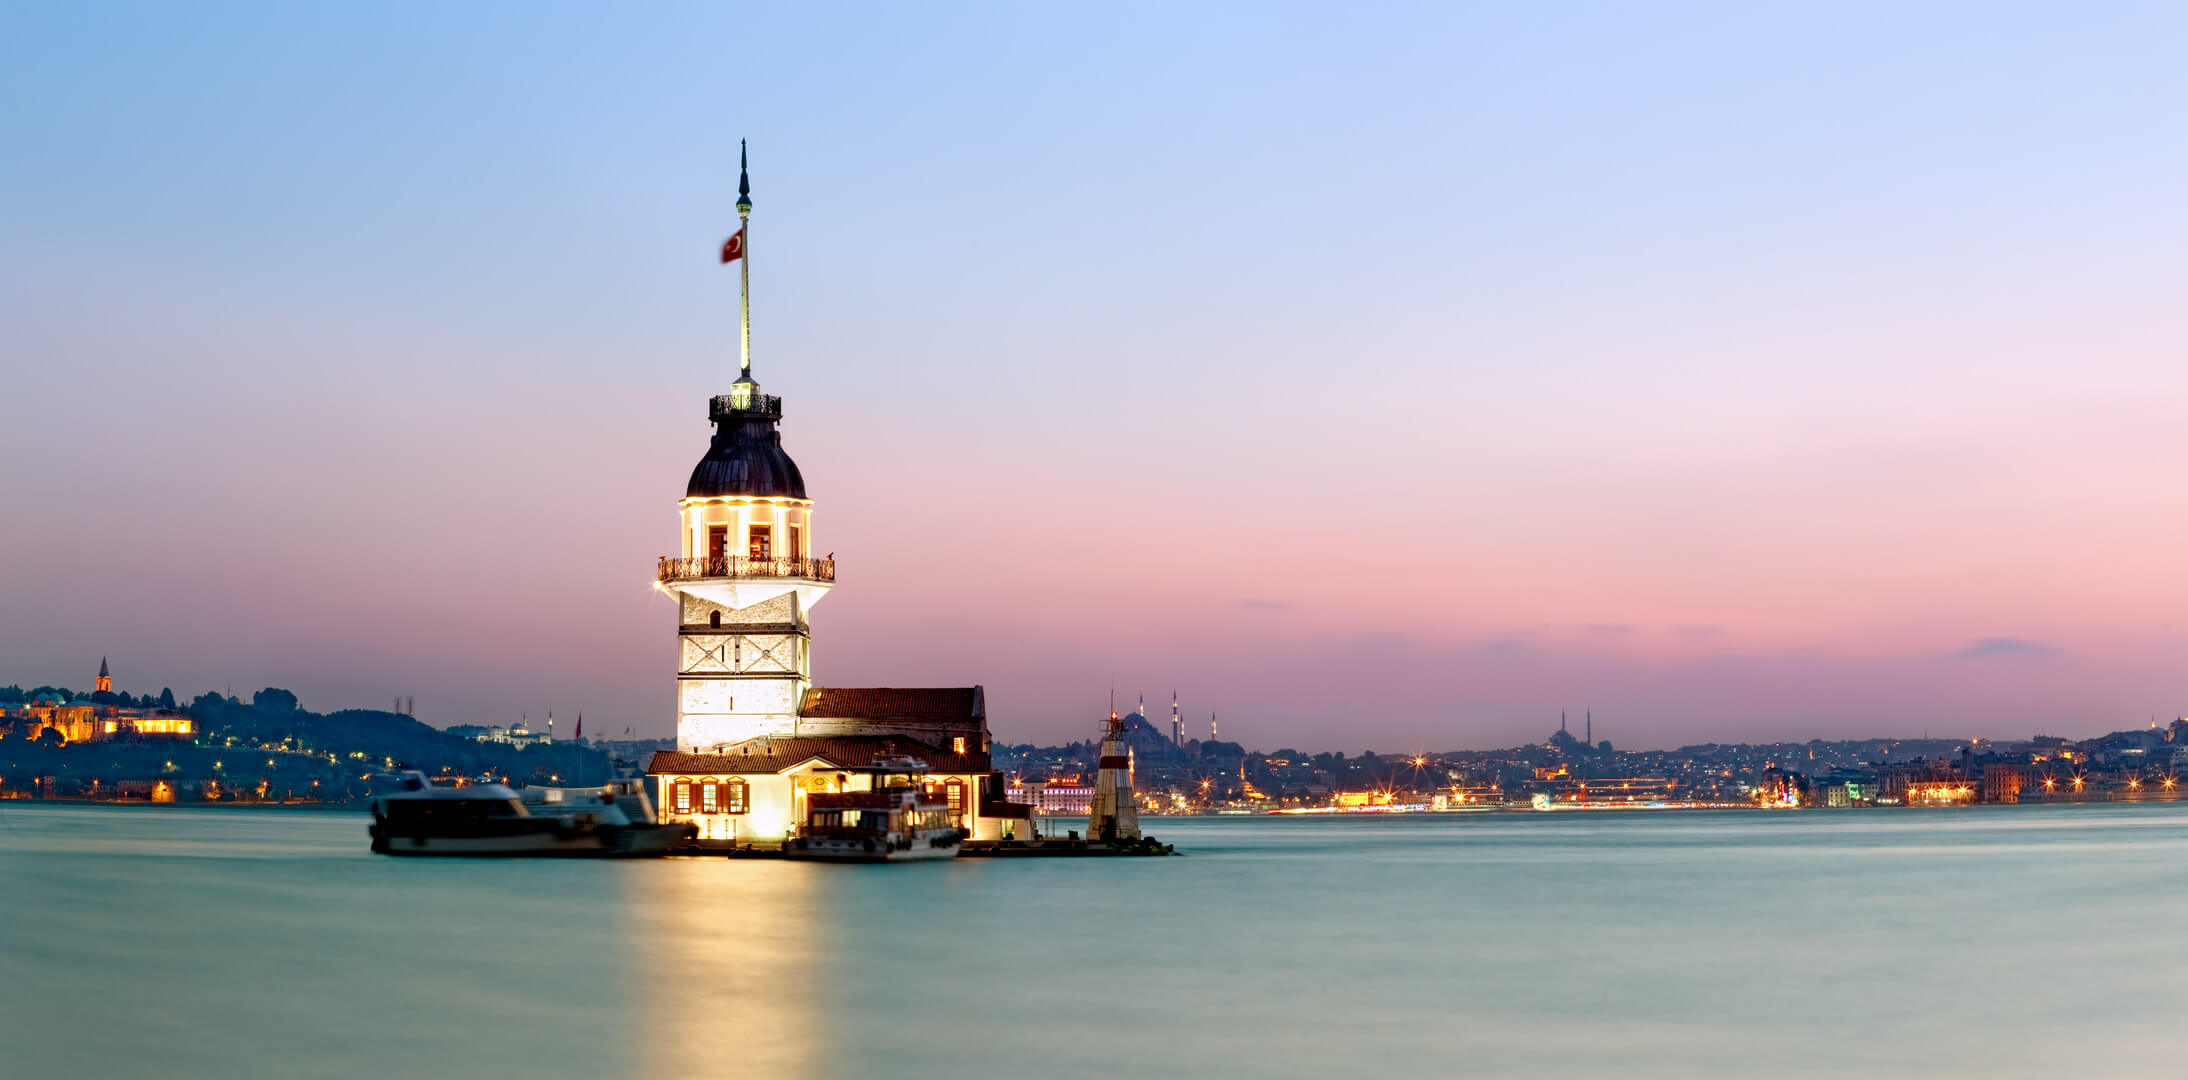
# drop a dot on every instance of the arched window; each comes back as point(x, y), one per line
point(737, 797)
point(681, 797)
point(707, 796)
point(714, 619)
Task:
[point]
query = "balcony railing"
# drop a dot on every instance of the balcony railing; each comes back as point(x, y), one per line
point(744, 566)
point(724, 405)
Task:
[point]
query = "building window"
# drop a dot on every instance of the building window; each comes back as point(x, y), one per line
point(717, 541)
point(796, 547)
point(737, 796)
point(707, 805)
point(682, 797)
point(957, 745)
point(956, 791)
point(714, 619)
point(760, 538)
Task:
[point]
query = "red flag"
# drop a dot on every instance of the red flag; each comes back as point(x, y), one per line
point(733, 248)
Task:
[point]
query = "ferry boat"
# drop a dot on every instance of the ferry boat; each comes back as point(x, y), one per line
point(890, 825)
point(612, 820)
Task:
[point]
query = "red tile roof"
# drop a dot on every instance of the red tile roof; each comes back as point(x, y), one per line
point(941, 703)
point(769, 754)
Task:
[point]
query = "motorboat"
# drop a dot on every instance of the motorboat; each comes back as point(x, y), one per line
point(612, 820)
point(890, 825)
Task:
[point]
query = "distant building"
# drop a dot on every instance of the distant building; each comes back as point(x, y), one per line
point(83, 720)
point(517, 734)
point(1059, 796)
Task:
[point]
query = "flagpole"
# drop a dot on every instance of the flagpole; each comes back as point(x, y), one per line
point(744, 262)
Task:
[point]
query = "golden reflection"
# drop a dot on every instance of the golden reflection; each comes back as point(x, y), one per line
point(732, 964)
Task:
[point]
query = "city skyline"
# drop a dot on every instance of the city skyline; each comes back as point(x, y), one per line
point(1368, 403)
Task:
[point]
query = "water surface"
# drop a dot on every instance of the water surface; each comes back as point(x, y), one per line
point(1994, 941)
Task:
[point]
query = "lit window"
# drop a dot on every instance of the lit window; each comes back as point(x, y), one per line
point(706, 798)
point(738, 796)
point(758, 541)
point(717, 541)
point(682, 800)
point(957, 745)
point(956, 792)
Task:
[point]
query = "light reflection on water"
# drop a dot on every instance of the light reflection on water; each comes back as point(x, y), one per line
point(2001, 942)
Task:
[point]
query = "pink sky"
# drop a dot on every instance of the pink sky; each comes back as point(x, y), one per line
point(1675, 383)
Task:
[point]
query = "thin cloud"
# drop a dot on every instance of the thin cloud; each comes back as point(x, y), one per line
point(2005, 646)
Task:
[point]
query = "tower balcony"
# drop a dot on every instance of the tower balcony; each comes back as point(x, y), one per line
point(744, 567)
point(744, 404)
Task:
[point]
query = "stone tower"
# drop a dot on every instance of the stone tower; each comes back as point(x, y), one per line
point(747, 576)
point(106, 680)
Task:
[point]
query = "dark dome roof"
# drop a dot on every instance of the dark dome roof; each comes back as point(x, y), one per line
point(746, 459)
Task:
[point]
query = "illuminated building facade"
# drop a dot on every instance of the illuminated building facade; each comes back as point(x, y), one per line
point(754, 736)
point(83, 720)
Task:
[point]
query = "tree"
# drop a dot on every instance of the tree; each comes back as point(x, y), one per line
point(52, 737)
point(274, 700)
point(167, 698)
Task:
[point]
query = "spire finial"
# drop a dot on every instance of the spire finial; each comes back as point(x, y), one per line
point(744, 182)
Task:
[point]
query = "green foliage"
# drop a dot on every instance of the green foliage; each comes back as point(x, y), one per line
point(274, 700)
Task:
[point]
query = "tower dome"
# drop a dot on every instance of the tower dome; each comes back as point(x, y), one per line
point(746, 458)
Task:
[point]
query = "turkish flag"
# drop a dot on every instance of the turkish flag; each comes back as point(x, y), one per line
point(733, 248)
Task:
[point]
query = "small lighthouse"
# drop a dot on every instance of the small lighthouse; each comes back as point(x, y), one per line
point(1114, 818)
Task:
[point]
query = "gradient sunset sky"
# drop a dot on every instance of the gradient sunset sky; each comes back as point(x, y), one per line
point(1386, 377)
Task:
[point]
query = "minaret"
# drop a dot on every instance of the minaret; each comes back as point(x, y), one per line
point(1212, 727)
point(1177, 722)
point(746, 576)
point(1591, 729)
point(1114, 816)
point(106, 681)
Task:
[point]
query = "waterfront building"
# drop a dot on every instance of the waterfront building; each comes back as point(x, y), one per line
point(754, 736)
point(85, 720)
point(1061, 796)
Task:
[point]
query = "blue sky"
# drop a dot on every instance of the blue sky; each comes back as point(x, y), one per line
point(1745, 367)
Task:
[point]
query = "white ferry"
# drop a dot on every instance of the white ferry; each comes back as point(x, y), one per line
point(890, 825)
point(614, 819)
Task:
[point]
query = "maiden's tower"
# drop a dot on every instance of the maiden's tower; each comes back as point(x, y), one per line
point(754, 735)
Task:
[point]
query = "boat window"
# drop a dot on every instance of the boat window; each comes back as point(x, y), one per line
point(738, 797)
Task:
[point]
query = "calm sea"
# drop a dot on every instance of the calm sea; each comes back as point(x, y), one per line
point(1993, 942)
